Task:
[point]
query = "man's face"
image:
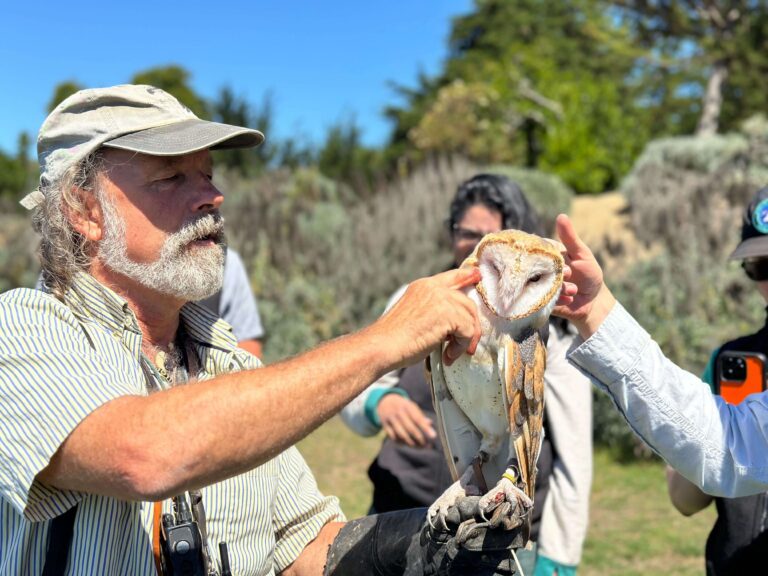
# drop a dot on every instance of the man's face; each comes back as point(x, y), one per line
point(161, 225)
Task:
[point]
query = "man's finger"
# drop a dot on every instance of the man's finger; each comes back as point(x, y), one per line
point(459, 278)
point(569, 289)
point(455, 348)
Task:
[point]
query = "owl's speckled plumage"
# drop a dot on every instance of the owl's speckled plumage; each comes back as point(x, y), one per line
point(490, 406)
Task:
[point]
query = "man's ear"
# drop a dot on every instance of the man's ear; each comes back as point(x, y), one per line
point(88, 221)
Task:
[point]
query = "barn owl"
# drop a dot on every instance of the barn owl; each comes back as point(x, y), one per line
point(490, 405)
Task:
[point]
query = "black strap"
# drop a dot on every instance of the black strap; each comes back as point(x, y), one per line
point(59, 542)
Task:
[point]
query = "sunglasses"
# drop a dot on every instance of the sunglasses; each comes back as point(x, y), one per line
point(467, 234)
point(756, 269)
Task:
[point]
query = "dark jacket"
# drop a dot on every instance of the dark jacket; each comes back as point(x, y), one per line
point(738, 543)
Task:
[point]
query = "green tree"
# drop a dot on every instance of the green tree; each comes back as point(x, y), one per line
point(12, 176)
point(715, 47)
point(17, 173)
point(233, 109)
point(344, 158)
point(174, 80)
point(62, 91)
point(533, 83)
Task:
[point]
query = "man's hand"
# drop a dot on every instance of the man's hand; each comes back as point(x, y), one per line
point(403, 421)
point(431, 311)
point(585, 299)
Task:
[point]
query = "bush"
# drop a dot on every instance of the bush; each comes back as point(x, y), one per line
point(548, 194)
point(324, 262)
point(18, 258)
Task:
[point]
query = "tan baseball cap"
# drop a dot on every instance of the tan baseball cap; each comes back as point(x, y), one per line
point(132, 117)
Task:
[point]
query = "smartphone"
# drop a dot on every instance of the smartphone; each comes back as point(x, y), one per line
point(739, 374)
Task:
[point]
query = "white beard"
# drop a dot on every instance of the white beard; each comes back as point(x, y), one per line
point(188, 274)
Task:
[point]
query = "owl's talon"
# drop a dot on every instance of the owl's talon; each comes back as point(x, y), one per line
point(505, 505)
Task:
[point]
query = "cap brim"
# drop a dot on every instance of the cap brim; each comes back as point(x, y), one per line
point(751, 248)
point(186, 137)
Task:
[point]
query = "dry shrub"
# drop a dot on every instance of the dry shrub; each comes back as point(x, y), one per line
point(19, 265)
point(323, 262)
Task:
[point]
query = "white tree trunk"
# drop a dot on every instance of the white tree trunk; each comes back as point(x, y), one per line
point(713, 100)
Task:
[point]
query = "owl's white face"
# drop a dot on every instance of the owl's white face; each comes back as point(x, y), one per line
point(522, 274)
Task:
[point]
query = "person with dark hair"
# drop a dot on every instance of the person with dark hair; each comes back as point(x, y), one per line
point(738, 539)
point(498, 194)
point(410, 469)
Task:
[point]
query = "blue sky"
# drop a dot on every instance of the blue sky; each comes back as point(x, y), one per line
point(322, 60)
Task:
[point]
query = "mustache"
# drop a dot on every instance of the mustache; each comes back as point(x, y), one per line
point(210, 225)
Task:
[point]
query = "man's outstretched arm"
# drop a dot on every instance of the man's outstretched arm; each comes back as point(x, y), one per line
point(147, 448)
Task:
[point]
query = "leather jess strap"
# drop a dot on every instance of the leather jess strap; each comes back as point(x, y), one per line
point(157, 513)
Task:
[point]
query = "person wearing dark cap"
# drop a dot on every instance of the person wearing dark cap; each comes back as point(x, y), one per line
point(739, 537)
point(118, 393)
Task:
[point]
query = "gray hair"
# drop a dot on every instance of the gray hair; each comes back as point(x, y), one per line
point(64, 251)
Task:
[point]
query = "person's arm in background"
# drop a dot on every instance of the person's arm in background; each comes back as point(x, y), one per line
point(238, 305)
point(685, 495)
point(719, 447)
point(384, 405)
point(568, 404)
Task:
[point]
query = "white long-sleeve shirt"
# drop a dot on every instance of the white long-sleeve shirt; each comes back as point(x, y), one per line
point(720, 447)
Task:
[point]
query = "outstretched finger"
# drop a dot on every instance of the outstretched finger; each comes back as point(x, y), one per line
point(567, 234)
point(459, 278)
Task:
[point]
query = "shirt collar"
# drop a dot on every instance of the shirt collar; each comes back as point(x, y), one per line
point(88, 298)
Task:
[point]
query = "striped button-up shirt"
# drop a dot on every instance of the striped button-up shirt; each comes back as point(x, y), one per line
point(59, 361)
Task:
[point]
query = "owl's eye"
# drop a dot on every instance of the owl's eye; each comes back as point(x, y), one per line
point(535, 278)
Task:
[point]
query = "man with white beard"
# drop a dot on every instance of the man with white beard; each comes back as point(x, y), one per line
point(97, 432)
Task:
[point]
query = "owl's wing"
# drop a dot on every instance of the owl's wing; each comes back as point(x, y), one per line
point(460, 438)
point(524, 387)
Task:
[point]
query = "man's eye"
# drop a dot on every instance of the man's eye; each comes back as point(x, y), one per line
point(169, 179)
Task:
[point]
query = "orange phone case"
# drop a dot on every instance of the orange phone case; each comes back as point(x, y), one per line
point(734, 391)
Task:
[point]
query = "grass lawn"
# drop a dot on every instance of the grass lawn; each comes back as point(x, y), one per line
point(633, 530)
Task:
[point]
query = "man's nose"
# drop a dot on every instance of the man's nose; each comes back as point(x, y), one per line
point(207, 197)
